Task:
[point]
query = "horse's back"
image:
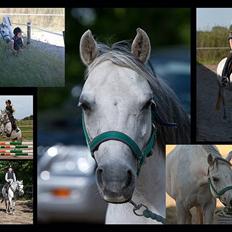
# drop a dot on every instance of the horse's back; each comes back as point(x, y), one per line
point(184, 167)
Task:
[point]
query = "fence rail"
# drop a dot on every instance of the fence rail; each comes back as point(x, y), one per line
point(213, 48)
point(38, 28)
point(23, 14)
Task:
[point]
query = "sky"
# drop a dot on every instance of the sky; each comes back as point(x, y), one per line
point(210, 17)
point(23, 105)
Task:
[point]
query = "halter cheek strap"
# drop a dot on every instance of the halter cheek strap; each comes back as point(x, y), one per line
point(213, 190)
point(139, 154)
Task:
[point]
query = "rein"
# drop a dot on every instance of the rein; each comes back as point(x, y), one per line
point(213, 190)
point(146, 212)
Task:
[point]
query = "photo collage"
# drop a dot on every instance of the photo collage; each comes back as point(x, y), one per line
point(115, 115)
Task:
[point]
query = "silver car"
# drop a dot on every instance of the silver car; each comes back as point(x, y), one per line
point(67, 188)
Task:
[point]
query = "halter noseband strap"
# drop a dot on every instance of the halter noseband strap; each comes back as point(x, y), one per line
point(119, 136)
point(212, 187)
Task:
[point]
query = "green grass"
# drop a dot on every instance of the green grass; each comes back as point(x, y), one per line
point(217, 37)
point(24, 125)
point(33, 67)
point(211, 56)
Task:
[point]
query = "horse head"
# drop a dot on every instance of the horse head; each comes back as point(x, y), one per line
point(220, 178)
point(20, 187)
point(116, 98)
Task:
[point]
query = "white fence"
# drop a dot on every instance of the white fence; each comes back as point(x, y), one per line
point(213, 48)
point(48, 15)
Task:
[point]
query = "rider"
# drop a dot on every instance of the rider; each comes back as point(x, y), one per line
point(227, 70)
point(10, 177)
point(10, 110)
point(18, 41)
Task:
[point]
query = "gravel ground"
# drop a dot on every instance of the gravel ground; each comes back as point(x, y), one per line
point(23, 214)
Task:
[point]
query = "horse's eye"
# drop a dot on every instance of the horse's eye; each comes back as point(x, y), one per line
point(84, 105)
point(215, 179)
point(147, 104)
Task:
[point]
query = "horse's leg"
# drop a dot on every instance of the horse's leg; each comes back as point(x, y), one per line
point(208, 212)
point(199, 215)
point(183, 215)
point(6, 205)
point(10, 204)
point(13, 205)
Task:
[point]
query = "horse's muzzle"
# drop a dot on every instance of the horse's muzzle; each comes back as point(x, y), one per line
point(116, 184)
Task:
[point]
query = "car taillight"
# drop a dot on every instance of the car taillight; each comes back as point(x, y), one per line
point(61, 192)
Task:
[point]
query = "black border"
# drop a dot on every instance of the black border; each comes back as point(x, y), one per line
point(110, 3)
point(32, 92)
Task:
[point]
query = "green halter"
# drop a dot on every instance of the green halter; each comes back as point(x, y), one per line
point(139, 154)
point(218, 193)
point(212, 187)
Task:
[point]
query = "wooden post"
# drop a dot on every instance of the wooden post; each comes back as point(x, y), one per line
point(28, 33)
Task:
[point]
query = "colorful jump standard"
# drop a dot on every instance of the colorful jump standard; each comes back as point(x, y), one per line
point(16, 151)
point(16, 143)
point(16, 154)
point(16, 146)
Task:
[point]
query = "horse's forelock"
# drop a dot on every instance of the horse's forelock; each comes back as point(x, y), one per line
point(168, 106)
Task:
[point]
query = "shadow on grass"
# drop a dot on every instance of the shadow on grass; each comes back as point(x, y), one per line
point(38, 65)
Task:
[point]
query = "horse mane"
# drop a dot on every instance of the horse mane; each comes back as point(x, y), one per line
point(212, 149)
point(168, 106)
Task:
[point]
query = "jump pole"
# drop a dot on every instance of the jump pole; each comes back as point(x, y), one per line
point(16, 143)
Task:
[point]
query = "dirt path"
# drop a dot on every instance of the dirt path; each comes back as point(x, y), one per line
point(211, 126)
point(23, 214)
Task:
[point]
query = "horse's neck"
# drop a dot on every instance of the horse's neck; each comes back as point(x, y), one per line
point(150, 187)
point(150, 191)
point(12, 189)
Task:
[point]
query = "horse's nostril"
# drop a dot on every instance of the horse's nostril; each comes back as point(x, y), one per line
point(230, 202)
point(99, 176)
point(129, 178)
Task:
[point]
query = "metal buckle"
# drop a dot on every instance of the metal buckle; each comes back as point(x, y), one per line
point(138, 207)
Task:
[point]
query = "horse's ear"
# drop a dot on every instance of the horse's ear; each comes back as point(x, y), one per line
point(141, 47)
point(229, 156)
point(88, 48)
point(210, 160)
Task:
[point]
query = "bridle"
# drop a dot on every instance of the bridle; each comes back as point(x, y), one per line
point(214, 191)
point(140, 154)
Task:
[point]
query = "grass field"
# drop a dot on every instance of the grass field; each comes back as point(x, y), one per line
point(33, 67)
point(216, 38)
point(27, 130)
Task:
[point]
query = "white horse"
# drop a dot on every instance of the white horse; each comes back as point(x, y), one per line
point(9, 196)
point(195, 176)
point(224, 92)
point(118, 99)
point(6, 30)
point(6, 128)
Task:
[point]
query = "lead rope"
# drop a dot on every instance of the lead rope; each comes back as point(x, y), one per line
point(146, 212)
